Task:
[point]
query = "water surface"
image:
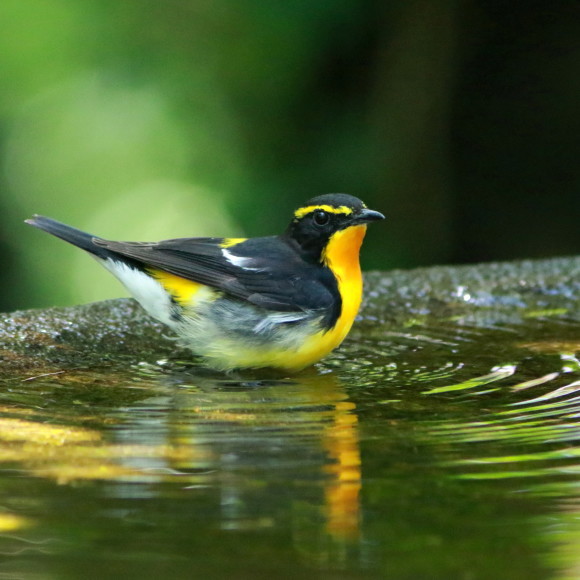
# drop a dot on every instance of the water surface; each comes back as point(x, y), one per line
point(445, 449)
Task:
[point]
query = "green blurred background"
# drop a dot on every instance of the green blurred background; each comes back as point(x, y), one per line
point(140, 119)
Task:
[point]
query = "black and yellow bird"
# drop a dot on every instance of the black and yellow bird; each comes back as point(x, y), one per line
point(280, 301)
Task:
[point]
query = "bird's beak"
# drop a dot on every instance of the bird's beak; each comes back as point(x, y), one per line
point(367, 215)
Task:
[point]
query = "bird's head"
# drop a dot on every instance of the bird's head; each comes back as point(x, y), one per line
point(324, 220)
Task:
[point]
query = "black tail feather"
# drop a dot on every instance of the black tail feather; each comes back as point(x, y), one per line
point(69, 234)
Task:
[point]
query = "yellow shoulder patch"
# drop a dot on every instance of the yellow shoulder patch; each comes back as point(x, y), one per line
point(229, 242)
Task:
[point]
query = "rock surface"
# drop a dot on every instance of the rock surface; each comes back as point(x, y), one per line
point(118, 331)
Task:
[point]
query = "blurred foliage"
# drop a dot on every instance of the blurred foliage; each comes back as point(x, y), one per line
point(145, 120)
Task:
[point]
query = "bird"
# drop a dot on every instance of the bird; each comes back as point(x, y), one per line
point(282, 302)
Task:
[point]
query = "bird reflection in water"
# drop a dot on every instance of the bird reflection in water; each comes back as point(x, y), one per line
point(268, 446)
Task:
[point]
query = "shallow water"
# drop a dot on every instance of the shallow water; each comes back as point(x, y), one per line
point(441, 450)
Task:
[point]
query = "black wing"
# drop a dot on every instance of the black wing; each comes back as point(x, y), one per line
point(266, 272)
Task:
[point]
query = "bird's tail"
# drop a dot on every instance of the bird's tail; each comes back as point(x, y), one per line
point(69, 234)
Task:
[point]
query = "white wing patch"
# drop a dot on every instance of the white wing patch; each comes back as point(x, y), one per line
point(239, 261)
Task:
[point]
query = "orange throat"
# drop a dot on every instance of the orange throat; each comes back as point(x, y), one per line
point(341, 254)
point(342, 257)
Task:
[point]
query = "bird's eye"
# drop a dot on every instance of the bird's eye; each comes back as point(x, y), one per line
point(321, 217)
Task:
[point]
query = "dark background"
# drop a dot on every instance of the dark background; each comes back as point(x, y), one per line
point(139, 119)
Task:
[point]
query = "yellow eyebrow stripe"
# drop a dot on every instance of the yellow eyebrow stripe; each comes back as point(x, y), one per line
point(229, 242)
point(301, 212)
